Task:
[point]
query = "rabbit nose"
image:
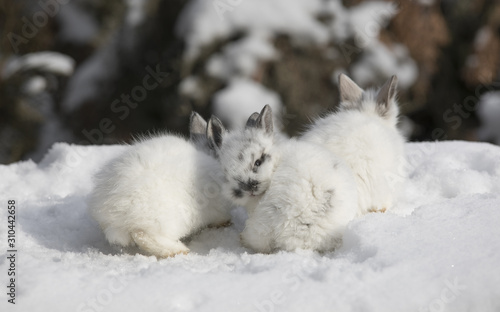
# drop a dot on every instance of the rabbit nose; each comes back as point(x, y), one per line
point(250, 185)
point(253, 185)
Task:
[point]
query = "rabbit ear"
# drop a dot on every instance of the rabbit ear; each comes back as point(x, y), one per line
point(215, 132)
point(265, 120)
point(252, 120)
point(385, 96)
point(350, 92)
point(197, 127)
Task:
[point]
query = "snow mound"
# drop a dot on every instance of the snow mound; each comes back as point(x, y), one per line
point(52, 62)
point(437, 250)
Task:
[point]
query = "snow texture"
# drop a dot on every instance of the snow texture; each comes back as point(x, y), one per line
point(437, 250)
point(52, 62)
point(367, 19)
point(202, 21)
point(240, 58)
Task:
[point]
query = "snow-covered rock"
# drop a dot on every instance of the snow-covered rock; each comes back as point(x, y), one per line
point(437, 250)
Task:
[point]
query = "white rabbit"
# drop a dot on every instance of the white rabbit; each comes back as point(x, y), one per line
point(162, 189)
point(363, 132)
point(306, 195)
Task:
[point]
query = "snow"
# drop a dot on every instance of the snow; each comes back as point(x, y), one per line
point(367, 19)
point(34, 85)
point(245, 31)
point(53, 62)
point(190, 86)
point(380, 61)
point(241, 98)
point(437, 250)
point(489, 114)
point(241, 58)
point(135, 12)
point(203, 21)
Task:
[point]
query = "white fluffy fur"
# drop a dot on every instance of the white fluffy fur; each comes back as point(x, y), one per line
point(363, 132)
point(311, 198)
point(299, 196)
point(159, 191)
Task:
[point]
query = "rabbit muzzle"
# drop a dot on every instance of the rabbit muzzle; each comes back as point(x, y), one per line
point(251, 186)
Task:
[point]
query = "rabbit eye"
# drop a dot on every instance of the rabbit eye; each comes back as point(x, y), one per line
point(259, 162)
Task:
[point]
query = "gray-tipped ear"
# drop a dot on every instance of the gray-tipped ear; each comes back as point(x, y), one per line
point(252, 120)
point(215, 132)
point(349, 90)
point(265, 119)
point(197, 127)
point(388, 90)
point(385, 95)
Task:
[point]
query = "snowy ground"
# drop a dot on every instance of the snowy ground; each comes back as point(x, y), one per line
point(438, 250)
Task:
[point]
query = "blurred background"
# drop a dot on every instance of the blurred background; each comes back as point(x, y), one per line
point(104, 72)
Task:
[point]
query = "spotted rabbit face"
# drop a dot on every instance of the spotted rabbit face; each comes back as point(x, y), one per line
point(248, 164)
point(246, 156)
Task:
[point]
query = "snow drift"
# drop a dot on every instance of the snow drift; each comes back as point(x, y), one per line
point(437, 250)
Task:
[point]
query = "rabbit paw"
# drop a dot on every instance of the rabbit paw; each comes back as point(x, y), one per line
point(158, 246)
point(375, 209)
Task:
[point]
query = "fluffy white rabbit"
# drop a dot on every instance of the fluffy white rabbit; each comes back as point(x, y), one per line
point(300, 194)
point(363, 132)
point(160, 190)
